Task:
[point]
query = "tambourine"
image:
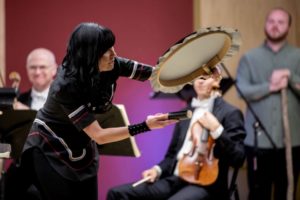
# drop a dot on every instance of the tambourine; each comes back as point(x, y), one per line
point(194, 55)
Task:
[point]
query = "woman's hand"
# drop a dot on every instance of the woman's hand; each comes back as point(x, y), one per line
point(159, 120)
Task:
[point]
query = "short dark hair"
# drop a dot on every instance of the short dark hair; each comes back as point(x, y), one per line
point(87, 44)
point(284, 10)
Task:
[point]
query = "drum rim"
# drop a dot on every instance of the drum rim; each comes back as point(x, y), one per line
point(231, 46)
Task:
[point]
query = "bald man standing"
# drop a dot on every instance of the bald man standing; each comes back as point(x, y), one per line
point(41, 68)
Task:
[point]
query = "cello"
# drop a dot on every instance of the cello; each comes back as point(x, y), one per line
point(199, 166)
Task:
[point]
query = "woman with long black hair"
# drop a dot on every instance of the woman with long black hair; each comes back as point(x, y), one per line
point(60, 156)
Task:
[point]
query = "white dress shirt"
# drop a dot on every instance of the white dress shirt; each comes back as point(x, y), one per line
point(38, 98)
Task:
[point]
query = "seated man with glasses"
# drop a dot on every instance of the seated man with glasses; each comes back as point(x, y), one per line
point(41, 68)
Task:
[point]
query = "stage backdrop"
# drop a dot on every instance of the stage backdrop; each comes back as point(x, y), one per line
point(144, 29)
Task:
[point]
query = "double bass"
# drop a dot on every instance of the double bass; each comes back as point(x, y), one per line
point(199, 166)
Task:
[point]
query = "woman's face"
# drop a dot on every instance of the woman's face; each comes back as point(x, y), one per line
point(106, 62)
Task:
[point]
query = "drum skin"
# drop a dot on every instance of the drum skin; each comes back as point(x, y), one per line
point(196, 54)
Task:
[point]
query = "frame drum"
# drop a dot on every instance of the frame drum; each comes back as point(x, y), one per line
point(196, 55)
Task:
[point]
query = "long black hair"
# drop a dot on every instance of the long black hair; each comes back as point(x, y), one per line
point(88, 43)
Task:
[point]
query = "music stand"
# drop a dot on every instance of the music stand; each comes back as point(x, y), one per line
point(7, 96)
point(117, 117)
point(14, 128)
point(258, 126)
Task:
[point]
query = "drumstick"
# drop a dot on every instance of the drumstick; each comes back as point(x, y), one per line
point(180, 115)
point(141, 181)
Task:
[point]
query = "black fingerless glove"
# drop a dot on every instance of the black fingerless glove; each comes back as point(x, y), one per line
point(138, 128)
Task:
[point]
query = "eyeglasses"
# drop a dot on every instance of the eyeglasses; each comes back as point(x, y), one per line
point(41, 67)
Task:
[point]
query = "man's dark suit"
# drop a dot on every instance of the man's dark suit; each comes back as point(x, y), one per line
point(25, 98)
point(229, 150)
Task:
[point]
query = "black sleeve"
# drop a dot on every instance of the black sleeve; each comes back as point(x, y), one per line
point(25, 98)
point(230, 144)
point(168, 164)
point(133, 69)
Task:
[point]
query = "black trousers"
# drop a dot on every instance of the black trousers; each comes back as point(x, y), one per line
point(171, 188)
point(35, 170)
point(271, 172)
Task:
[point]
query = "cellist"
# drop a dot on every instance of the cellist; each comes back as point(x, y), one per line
point(225, 126)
